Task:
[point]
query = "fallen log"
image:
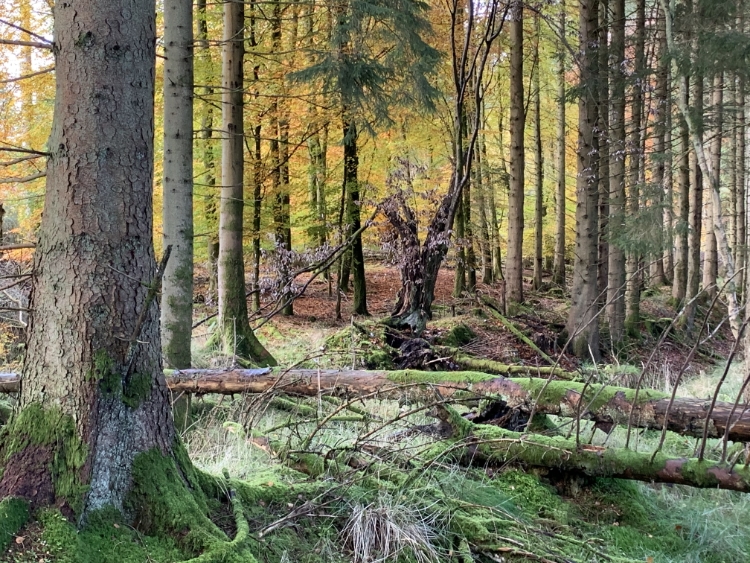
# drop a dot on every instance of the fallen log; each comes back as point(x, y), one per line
point(483, 445)
point(606, 406)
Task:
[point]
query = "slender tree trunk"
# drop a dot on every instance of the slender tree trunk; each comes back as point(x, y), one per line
point(234, 329)
point(658, 160)
point(93, 397)
point(177, 289)
point(514, 257)
point(669, 197)
point(459, 282)
point(257, 160)
point(741, 183)
point(633, 273)
point(558, 274)
point(696, 211)
point(682, 223)
point(582, 326)
point(351, 165)
point(471, 259)
point(207, 153)
point(603, 137)
point(710, 253)
point(616, 283)
point(480, 187)
point(538, 163)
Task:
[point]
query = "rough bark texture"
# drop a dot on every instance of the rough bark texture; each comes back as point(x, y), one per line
point(538, 164)
point(234, 329)
point(616, 278)
point(485, 445)
point(604, 405)
point(558, 269)
point(680, 280)
point(177, 290)
point(94, 350)
point(583, 327)
point(710, 250)
point(354, 220)
point(514, 257)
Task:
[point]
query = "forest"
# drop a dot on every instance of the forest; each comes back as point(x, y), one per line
point(374, 280)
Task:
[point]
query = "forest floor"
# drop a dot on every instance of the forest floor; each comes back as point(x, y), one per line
point(377, 499)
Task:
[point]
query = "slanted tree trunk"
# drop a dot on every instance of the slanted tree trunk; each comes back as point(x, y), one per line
point(514, 255)
point(234, 332)
point(582, 326)
point(616, 276)
point(93, 396)
point(558, 269)
point(177, 290)
point(421, 263)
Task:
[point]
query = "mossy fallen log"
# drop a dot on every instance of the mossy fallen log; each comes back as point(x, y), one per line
point(604, 405)
point(485, 445)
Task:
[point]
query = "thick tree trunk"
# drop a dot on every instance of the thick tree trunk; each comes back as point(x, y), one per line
point(485, 445)
point(582, 326)
point(459, 279)
point(558, 269)
point(602, 129)
point(658, 160)
point(93, 394)
point(514, 255)
point(234, 330)
point(177, 290)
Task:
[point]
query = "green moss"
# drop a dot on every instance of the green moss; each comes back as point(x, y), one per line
point(458, 336)
point(37, 426)
point(14, 513)
point(137, 390)
point(535, 498)
point(413, 376)
point(104, 371)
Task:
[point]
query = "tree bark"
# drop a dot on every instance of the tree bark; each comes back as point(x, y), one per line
point(234, 330)
point(582, 326)
point(484, 445)
point(92, 383)
point(682, 224)
point(658, 160)
point(177, 290)
point(558, 269)
point(538, 163)
point(514, 254)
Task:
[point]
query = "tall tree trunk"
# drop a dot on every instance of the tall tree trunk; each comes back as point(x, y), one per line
point(616, 277)
point(514, 256)
point(602, 127)
point(658, 158)
point(682, 222)
point(471, 259)
point(741, 183)
point(538, 162)
point(177, 289)
point(93, 396)
point(257, 160)
point(459, 281)
point(233, 328)
point(696, 210)
point(633, 273)
point(558, 269)
point(480, 188)
point(351, 181)
point(710, 253)
point(582, 326)
point(207, 153)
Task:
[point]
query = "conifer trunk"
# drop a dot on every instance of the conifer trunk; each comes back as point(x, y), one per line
point(682, 222)
point(558, 269)
point(582, 326)
point(92, 392)
point(514, 256)
point(538, 164)
point(177, 290)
